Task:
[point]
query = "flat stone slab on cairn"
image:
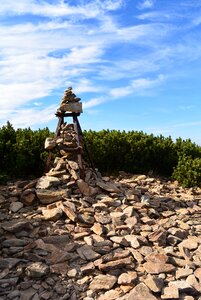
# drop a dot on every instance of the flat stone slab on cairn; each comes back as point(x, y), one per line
point(71, 107)
point(70, 103)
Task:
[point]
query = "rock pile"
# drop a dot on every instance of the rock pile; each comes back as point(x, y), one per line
point(135, 237)
point(65, 168)
point(68, 168)
point(70, 103)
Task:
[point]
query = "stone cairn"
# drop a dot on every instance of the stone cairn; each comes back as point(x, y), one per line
point(69, 169)
point(129, 237)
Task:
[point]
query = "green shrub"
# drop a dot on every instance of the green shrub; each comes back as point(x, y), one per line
point(132, 151)
point(22, 153)
point(188, 171)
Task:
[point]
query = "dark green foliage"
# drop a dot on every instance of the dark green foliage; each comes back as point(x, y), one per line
point(7, 144)
point(21, 151)
point(188, 171)
point(22, 154)
point(132, 151)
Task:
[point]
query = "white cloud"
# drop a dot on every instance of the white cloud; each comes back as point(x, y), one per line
point(136, 86)
point(89, 9)
point(121, 91)
point(23, 118)
point(25, 92)
point(94, 102)
point(146, 4)
point(187, 124)
point(84, 85)
point(32, 64)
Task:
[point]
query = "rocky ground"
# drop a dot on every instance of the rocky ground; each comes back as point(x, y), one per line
point(125, 238)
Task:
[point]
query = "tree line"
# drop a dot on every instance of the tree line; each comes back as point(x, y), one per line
point(22, 154)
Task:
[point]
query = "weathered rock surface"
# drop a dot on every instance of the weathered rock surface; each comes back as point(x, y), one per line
point(100, 241)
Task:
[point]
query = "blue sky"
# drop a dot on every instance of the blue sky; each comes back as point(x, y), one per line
point(136, 64)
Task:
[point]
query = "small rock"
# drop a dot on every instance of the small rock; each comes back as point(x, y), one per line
point(85, 189)
point(103, 282)
point(154, 283)
point(156, 263)
point(27, 294)
point(86, 252)
point(14, 243)
point(182, 285)
point(111, 295)
point(197, 273)
point(60, 289)
point(181, 273)
point(16, 225)
point(86, 218)
point(37, 270)
point(72, 273)
point(52, 214)
point(48, 196)
point(13, 294)
point(158, 236)
point(46, 182)
point(110, 187)
point(97, 228)
point(15, 206)
point(139, 292)
point(127, 278)
point(170, 293)
point(50, 143)
point(28, 197)
point(116, 264)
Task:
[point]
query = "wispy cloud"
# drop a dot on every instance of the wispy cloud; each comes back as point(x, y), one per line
point(23, 118)
point(84, 85)
point(25, 92)
point(136, 86)
point(146, 4)
point(94, 102)
point(58, 8)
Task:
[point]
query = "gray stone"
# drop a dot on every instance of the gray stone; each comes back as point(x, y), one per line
point(27, 294)
point(46, 182)
point(56, 239)
point(16, 225)
point(86, 252)
point(48, 196)
point(110, 187)
point(9, 262)
point(15, 206)
point(13, 294)
point(14, 243)
point(37, 270)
